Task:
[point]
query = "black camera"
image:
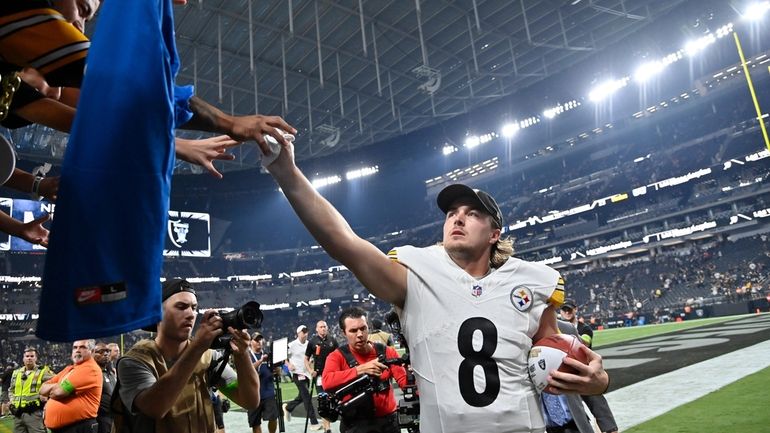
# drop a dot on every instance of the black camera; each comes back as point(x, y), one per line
point(328, 406)
point(409, 407)
point(393, 361)
point(248, 316)
point(351, 402)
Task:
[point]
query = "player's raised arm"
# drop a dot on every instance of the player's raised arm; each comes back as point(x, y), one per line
point(381, 276)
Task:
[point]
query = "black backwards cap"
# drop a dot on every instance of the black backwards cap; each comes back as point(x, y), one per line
point(483, 201)
point(170, 288)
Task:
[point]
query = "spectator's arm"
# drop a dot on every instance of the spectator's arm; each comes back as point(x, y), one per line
point(32, 232)
point(309, 367)
point(206, 117)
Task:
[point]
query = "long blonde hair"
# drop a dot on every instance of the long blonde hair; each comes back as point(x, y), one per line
point(502, 250)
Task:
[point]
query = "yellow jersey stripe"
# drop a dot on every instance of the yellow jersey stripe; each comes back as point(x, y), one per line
point(557, 297)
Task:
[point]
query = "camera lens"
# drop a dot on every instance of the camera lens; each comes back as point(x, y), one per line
point(250, 315)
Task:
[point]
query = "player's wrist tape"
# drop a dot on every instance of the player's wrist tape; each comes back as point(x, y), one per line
point(67, 386)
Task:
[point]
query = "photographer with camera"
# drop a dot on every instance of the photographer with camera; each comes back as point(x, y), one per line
point(163, 384)
point(373, 410)
point(24, 394)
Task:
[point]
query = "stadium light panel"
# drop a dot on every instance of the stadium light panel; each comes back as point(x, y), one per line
point(724, 30)
point(509, 130)
point(448, 150)
point(526, 123)
point(756, 11)
point(325, 181)
point(694, 47)
point(362, 172)
point(602, 91)
point(648, 70)
point(472, 141)
point(486, 138)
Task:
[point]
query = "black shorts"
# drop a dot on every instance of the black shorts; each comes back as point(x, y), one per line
point(266, 411)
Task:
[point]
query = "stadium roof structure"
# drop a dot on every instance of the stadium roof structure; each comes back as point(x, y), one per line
point(350, 73)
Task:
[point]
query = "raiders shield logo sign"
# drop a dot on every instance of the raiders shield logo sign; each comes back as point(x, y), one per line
point(541, 364)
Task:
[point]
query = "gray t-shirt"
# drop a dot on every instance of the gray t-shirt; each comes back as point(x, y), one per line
point(135, 376)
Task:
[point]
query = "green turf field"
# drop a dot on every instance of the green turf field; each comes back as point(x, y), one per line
point(617, 335)
point(734, 408)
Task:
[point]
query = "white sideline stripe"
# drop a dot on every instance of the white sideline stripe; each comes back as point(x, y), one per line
point(645, 400)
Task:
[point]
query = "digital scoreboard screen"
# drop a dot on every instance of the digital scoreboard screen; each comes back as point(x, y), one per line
point(188, 234)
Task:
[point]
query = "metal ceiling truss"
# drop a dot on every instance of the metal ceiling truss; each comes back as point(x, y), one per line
point(356, 65)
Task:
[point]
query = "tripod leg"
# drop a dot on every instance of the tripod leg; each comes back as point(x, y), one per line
point(279, 402)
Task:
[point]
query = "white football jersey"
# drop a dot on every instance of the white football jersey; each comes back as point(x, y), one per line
point(469, 340)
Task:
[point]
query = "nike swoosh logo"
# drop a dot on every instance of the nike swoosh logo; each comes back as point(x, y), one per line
point(84, 296)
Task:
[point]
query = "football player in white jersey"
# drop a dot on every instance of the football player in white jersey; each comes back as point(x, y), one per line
point(469, 310)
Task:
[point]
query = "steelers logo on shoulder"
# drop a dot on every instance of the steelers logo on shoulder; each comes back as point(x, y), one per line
point(521, 298)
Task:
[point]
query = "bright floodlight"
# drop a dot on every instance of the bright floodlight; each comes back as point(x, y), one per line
point(606, 89)
point(648, 70)
point(472, 141)
point(756, 11)
point(694, 47)
point(448, 150)
point(361, 172)
point(509, 130)
point(325, 181)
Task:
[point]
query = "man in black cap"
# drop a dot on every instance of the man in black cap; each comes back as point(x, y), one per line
point(569, 312)
point(268, 406)
point(164, 382)
point(464, 304)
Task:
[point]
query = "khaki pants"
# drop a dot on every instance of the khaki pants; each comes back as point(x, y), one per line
point(29, 423)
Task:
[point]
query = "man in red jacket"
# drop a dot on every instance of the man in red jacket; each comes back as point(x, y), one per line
point(358, 358)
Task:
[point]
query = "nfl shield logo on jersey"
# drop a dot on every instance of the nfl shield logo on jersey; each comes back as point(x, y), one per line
point(476, 291)
point(521, 298)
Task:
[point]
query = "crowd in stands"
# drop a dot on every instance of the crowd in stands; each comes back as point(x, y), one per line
point(693, 274)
